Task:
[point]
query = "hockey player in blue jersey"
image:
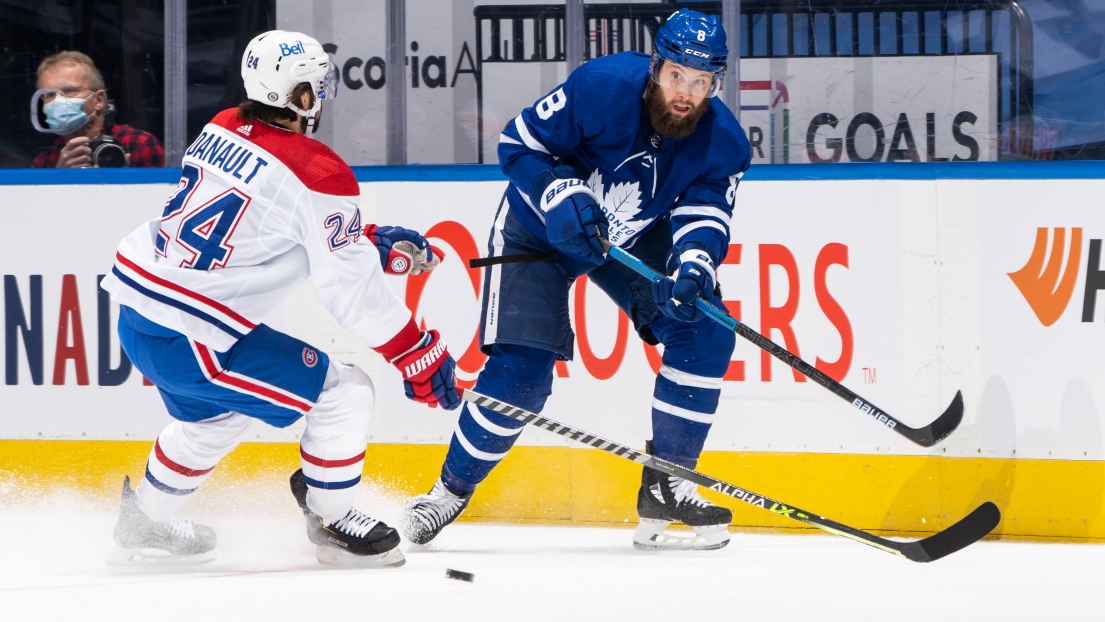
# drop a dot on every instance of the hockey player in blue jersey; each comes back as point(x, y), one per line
point(631, 149)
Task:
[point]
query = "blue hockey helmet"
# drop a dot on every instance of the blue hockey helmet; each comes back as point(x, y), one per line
point(694, 40)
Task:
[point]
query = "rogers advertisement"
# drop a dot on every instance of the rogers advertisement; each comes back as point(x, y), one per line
point(827, 289)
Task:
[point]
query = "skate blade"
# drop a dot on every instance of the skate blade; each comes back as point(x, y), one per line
point(156, 558)
point(330, 556)
point(651, 536)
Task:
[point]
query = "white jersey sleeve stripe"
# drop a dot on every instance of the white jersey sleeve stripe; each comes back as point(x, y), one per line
point(703, 210)
point(684, 230)
point(523, 132)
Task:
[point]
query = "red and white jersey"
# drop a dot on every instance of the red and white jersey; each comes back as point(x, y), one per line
point(258, 210)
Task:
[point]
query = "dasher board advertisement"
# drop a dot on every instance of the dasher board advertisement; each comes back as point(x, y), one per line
point(1042, 295)
point(828, 290)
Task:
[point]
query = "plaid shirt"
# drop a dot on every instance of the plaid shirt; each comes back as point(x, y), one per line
point(144, 148)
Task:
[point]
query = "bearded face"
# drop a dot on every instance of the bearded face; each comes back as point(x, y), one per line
point(675, 99)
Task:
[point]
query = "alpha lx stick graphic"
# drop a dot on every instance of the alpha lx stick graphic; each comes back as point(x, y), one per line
point(967, 531)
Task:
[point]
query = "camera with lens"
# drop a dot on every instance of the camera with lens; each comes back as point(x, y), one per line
point(106, 151)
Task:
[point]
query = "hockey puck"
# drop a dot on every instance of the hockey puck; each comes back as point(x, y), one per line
point(459, 575)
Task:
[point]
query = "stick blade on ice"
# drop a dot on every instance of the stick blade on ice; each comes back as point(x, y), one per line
point(967, 531)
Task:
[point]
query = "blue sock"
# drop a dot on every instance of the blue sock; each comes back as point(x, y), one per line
point(518, 375)
point(683, 407)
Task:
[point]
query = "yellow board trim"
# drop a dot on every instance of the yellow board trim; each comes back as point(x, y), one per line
point(1055, 500)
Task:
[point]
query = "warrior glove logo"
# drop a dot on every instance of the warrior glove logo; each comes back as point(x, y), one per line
point(424, 361)
point(399, 264)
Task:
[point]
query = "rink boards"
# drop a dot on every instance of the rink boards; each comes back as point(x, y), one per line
point(905, 288)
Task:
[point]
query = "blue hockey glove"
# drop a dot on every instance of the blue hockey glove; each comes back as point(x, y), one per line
point(692, 273)
point(403, 251)
point(574, 220)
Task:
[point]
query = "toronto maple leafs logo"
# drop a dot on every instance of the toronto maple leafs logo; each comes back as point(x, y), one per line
point(623, 198)
point(621, 203)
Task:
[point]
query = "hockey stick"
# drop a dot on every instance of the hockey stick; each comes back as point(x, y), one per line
point(967, 531)
point(925, 436)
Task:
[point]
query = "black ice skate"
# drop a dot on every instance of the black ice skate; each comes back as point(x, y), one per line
point(355, 540)
point(664, 499)
point(428, 514)
point(142, 541)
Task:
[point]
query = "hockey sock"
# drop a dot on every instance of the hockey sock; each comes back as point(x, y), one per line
point(515, 374)
point(683, 407)
point(332, 448)
point(181, 459)
point(331, 482)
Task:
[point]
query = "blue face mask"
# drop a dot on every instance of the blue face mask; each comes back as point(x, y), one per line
point(64, 115)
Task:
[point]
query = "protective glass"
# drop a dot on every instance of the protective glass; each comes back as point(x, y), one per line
point(676, 77)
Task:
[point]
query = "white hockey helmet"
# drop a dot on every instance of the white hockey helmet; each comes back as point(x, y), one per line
point(277, 61)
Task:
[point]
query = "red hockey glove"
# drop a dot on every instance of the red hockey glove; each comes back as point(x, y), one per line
point(429, 372)
point(402, 250)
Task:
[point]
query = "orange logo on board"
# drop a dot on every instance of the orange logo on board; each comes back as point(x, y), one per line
point(1048, 288)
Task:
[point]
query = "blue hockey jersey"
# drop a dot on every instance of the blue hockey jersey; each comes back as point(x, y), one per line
point(596, 122)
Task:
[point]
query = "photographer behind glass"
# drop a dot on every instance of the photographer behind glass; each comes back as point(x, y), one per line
point(71, 101)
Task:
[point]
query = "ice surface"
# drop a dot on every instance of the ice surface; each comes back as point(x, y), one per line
point(53, 551)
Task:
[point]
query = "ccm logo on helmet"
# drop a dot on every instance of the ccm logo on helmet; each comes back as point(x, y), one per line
point(291, 50)
point(697, 53)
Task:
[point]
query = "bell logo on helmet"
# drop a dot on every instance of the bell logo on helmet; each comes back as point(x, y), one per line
point(277, 61)
point(291, 50)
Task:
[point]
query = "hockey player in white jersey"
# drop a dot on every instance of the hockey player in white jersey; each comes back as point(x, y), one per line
point(259, 208)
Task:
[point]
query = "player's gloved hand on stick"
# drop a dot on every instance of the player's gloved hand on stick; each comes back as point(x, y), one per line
point(403, 251)
point(429, 372)
point(692, 273)
point(574, 220)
